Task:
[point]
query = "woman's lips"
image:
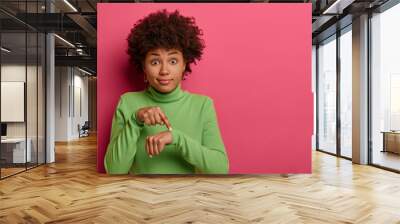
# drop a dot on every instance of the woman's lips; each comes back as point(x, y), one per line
point(164, 81)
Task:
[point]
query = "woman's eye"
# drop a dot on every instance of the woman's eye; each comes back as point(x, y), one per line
point(154, 62)
point(174, 61)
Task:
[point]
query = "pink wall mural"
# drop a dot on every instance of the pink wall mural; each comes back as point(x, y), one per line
point(256, 67)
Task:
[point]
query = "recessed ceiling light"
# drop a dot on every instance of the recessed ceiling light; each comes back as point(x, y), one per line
point(5, 50)
point(64, 40)
point(84, 71)
point(70, 5)
point(337, 7)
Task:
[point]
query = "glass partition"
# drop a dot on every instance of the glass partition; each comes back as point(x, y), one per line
point(14, 154)
point(22, 64)
point(327, 95)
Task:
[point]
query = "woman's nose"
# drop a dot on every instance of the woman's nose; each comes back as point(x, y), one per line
point(164, 70)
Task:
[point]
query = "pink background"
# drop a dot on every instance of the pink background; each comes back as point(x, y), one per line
point(256, 66)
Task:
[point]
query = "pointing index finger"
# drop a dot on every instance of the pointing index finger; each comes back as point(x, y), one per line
point(166, 122)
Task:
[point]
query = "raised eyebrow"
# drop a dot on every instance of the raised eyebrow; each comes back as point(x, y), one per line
point(170, 53)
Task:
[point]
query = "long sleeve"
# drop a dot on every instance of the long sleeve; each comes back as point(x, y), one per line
point(208, 156)
point(121, 149)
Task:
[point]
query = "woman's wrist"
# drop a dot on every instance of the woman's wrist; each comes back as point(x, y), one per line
point(175, 136)
point(138, 121)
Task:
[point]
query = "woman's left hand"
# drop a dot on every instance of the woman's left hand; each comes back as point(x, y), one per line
point(156, 143)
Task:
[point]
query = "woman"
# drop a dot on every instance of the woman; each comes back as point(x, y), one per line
point(163, 129)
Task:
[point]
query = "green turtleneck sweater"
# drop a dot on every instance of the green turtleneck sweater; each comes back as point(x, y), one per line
point(196, 147)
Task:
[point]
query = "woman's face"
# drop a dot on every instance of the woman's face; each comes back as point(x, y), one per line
point(164, 68)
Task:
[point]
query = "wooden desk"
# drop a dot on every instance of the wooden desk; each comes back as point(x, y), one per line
point(13, 150)
point(391, 141)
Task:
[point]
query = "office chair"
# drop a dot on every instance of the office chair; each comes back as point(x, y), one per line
point(84, 130)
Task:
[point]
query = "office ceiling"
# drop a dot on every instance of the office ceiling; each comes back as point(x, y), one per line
point(76, 22)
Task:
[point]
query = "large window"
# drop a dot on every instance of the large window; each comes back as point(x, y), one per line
point(327, 95)
point(346, 92)
point(331, 136)
point(314, 89)
point(385, 88)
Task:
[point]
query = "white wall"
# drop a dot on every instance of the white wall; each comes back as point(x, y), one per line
point(15, 72)
point(71, 94)
point(79, 110)
point(34, 125)
point(61, 103)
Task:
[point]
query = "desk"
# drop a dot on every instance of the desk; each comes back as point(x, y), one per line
point(391, 141)
point(13, 150)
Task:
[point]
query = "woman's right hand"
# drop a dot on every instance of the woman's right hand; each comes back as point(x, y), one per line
point(152, 116)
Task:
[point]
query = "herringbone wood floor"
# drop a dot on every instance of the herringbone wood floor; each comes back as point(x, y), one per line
point(71, 191)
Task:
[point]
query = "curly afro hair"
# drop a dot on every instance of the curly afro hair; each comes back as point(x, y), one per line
point(165, 30)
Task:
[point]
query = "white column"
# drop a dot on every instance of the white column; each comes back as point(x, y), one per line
point(360, 90)
point(50, 92)
point(50, 108)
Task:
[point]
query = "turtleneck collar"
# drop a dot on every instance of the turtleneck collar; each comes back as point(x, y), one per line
point(172, 96)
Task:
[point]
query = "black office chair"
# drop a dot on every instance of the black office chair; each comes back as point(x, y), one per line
point(84, 130)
